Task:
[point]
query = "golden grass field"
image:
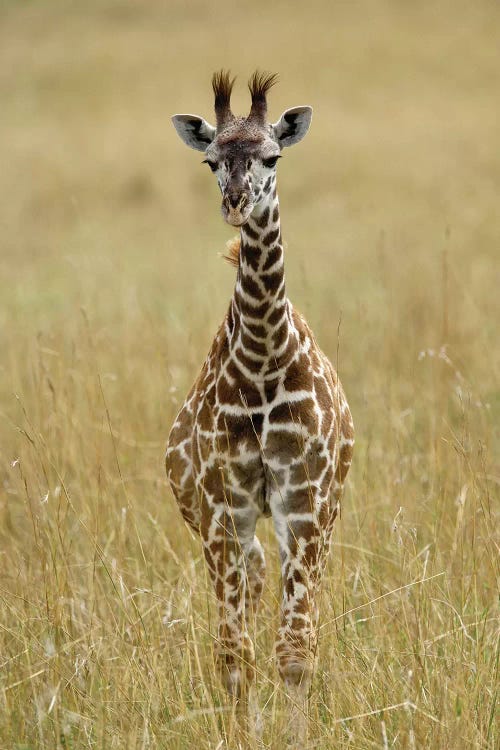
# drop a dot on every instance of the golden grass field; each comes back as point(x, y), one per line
point(111, 289)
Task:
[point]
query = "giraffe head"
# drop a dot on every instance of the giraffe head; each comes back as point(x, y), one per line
point(243, 151)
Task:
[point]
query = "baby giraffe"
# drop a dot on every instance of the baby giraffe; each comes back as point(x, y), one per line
point(266, 429)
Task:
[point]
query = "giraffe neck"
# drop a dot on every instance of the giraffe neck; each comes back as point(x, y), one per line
point(261, 332)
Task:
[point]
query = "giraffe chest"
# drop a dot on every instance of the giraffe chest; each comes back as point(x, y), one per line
point(245, 431)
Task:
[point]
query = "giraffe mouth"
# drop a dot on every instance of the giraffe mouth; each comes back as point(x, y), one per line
point(236, 221)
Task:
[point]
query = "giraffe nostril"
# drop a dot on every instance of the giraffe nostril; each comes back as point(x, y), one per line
point(233, 199)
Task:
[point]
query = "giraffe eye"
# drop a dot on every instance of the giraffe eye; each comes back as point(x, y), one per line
point(212, 164)
point(271, 162)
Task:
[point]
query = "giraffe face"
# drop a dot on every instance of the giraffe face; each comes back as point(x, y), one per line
point(244, 162)
point(243, 153)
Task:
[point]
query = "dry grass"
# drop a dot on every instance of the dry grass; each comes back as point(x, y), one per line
point(110, 292)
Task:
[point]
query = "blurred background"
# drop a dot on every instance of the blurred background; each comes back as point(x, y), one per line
point(111, 289)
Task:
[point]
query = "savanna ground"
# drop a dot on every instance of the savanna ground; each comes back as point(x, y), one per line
point(111, 289)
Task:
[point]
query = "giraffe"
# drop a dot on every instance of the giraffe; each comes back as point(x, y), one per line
point(266, 429)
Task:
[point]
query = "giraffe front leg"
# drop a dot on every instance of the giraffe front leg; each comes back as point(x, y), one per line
point(228, 539)
point(179, 466)
point(256, 574)
point(302, 524)
point(255, 577)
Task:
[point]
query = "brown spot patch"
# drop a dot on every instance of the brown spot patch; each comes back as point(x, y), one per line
point(299, 501)
point(256, 347)
point(212, 481)
point(175, 465)
point(235, 499)
point(251, 255)
point(250, 364)
point(205, 446)
point(283, 445)
point(271, 237)
point(238, 394)
point(344, 463)
point(273, 256)
point(205, 416)
point(302, 530)
point(272, 280)
point(299, 412)
point(241, 381)
point(257, 330)
point(255, 311)
point(324, 514)
point(309, 469)
point(311, 553)
point(270, 389)
point(299, 375)
point(281, 335)
point(248, 474)
point(323, 393)
point(262, 220)
point(252, 233)
point(251, 287)
point(236, 429)
point(347, 429)
point(276, 315)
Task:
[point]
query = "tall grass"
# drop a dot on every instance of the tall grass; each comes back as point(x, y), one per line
point(111, 290)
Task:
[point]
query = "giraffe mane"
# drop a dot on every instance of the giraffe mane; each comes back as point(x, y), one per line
point(222, 85)
point(232, 254)
point(259, 84)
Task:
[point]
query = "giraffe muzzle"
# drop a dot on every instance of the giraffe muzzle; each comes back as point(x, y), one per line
point(236, 208)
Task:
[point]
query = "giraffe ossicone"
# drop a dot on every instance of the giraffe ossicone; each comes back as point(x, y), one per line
point(266, 429)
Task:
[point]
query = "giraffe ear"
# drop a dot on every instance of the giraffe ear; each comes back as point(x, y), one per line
point(196, 132)
point(292, 125)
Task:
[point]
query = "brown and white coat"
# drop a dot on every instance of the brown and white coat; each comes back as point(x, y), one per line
point(266, 429)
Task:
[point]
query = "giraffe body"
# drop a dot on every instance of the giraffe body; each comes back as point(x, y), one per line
point(266, 429)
